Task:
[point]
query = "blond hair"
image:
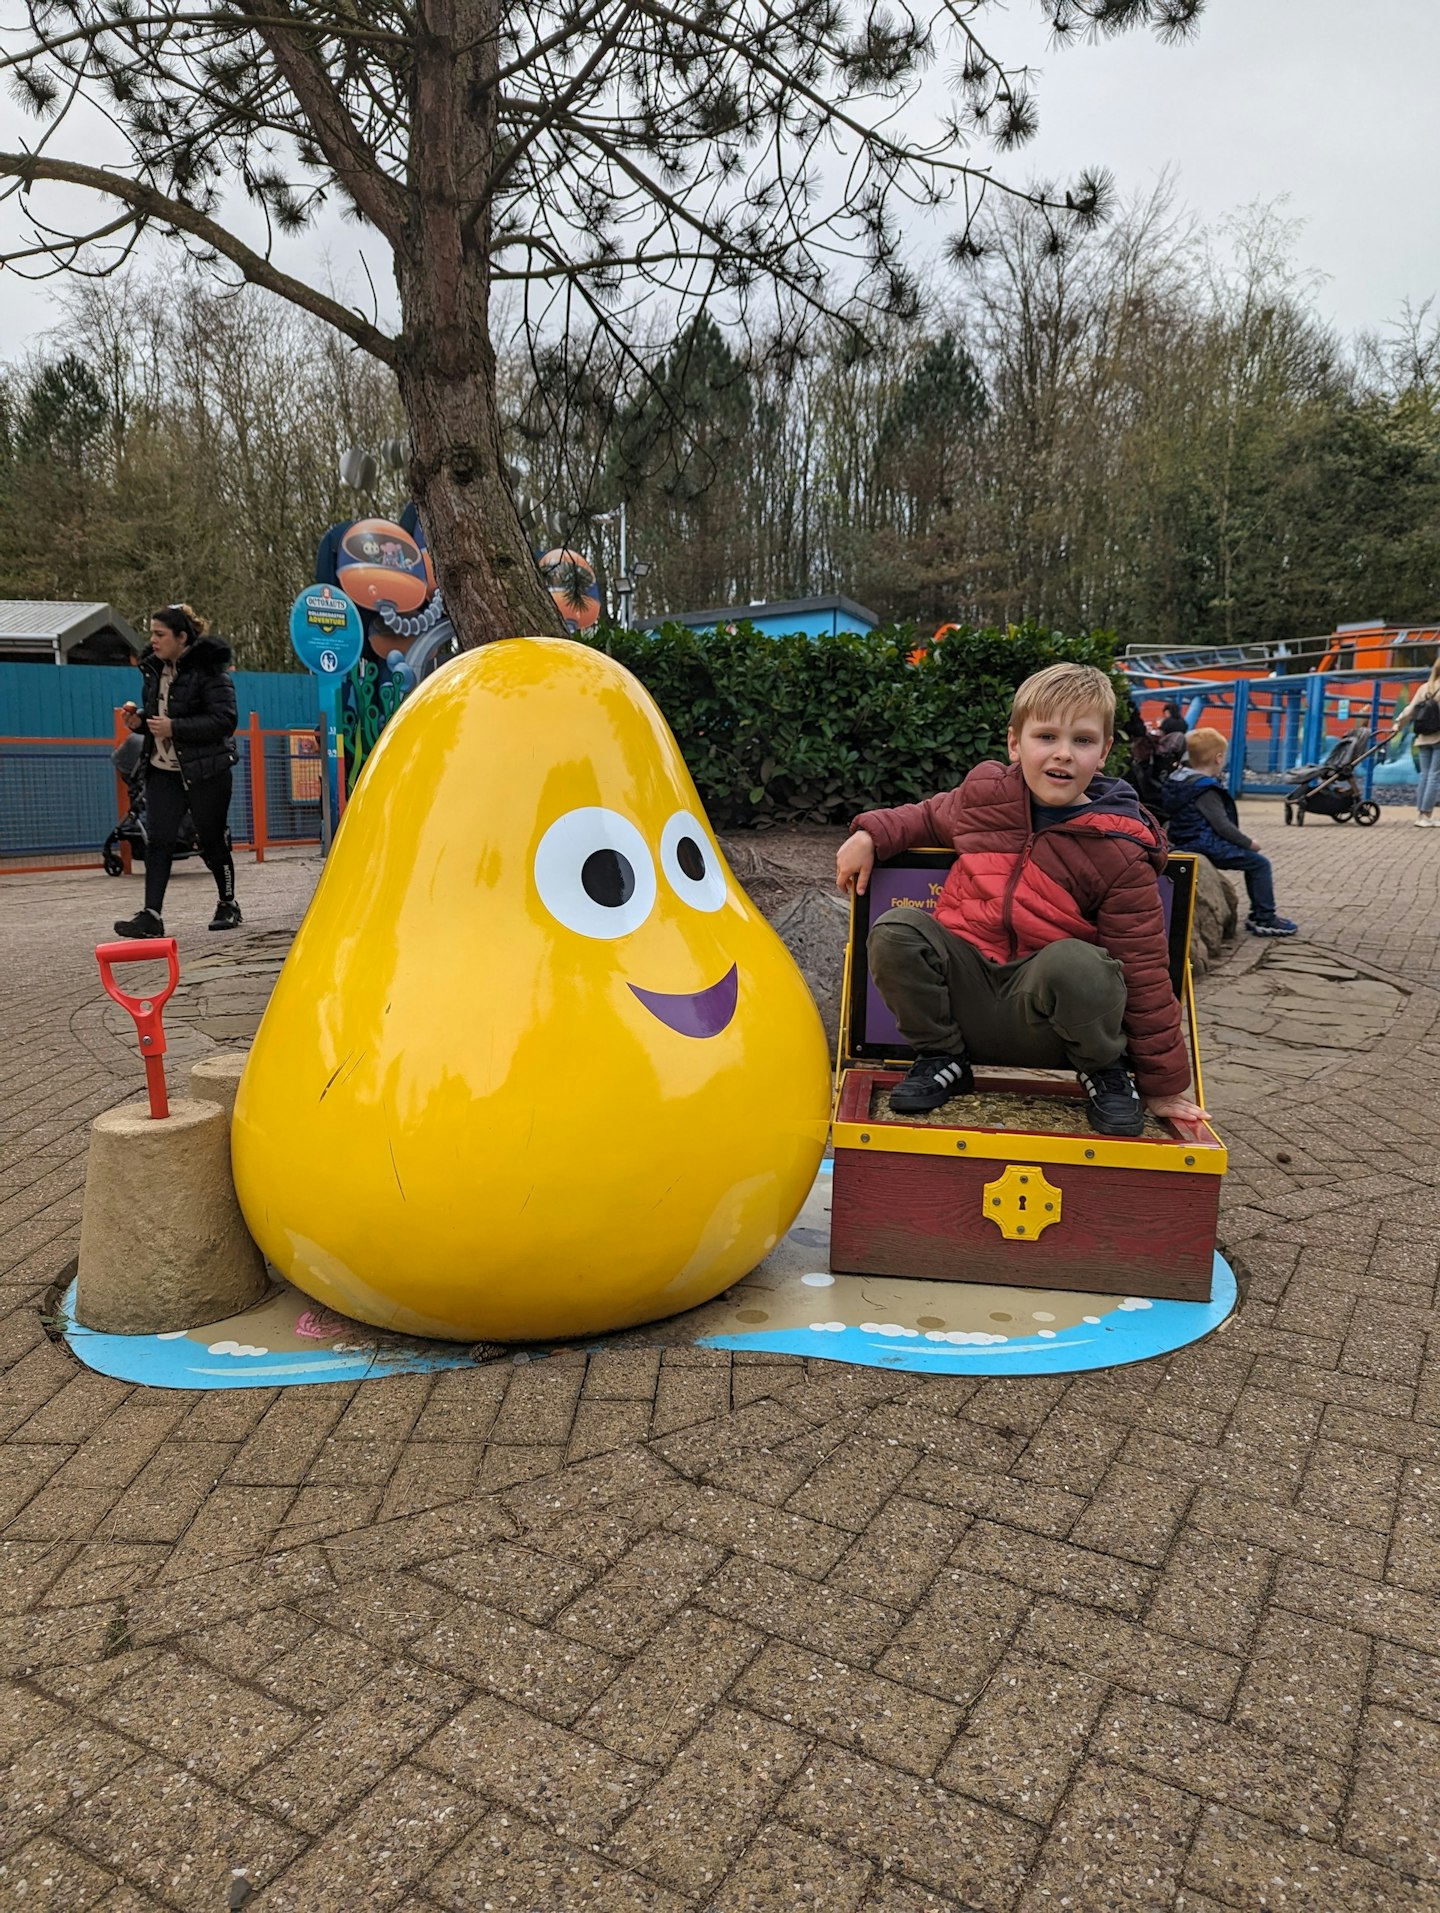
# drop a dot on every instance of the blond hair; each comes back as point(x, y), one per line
point(1065, 691)
point(1206, 746)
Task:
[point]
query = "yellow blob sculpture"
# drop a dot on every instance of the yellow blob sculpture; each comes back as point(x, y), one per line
point(535, 1065)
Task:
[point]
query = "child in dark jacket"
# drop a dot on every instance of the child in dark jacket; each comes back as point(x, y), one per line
point(1047, 946)
point(1201, 816)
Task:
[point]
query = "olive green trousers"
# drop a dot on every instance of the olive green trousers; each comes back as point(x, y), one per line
point(1062, 1008)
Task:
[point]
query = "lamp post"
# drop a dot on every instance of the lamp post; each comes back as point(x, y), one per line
point(626, 581)
point(625, 586)
point(638, 573)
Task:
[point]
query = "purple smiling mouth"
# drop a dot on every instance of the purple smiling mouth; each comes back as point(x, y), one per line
point(696, 1012)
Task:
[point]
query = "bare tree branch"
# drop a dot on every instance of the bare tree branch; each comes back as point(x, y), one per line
point(148, 206)
point(132, 23)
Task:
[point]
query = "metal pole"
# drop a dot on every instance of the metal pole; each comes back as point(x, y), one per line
point(122, 794)
point(1314, 736)
point(1373, 758)
point(329, 763)
point(259, 801)
point(625, 587)
point(1239, 729)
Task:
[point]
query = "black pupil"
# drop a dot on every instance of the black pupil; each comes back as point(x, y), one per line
point(608, 878)
point(690, 858)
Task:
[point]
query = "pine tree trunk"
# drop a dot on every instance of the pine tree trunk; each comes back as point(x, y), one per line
point(446, 365)
point(483, 561)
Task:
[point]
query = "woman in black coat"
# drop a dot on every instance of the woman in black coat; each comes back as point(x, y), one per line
point(188, 722)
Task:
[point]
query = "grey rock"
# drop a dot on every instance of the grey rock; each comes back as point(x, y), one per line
point(1217, 915)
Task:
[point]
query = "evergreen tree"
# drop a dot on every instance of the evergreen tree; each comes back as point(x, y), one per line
point(684, 445)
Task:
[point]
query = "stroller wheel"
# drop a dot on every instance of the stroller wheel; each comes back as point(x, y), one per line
point(1367, 813)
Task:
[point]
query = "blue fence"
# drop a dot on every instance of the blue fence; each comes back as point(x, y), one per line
point(56, 799)
point(60, 798)
point(58, 794)
point(79, 700)
point(1289, 721)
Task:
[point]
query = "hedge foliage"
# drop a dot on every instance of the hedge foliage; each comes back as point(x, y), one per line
point(797, 729)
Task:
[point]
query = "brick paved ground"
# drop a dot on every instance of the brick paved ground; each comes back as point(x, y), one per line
point(676, 1631)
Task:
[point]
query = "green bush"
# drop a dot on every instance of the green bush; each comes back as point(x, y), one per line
point(797, 729)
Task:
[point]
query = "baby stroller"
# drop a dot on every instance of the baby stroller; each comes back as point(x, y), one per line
point(1331, 788)
point(129, 762)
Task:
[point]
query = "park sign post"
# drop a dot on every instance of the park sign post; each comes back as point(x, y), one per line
point(328, 637)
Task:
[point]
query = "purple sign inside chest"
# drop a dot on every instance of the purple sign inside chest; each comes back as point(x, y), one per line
point(894, 889)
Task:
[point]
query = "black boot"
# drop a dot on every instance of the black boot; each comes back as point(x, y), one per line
point(227, 916)
point(145, 923)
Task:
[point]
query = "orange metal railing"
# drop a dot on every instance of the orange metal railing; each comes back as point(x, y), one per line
point(52, 801)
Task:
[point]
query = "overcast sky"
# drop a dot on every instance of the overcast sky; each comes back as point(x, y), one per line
point(1332, 104)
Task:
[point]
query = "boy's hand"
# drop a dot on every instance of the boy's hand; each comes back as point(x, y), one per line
point(854, 861)
point(1179, 1109)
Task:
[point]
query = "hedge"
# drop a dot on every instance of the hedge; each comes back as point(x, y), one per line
point(797, 729)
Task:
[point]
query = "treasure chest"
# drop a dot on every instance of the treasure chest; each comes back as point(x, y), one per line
point(1025, 1193)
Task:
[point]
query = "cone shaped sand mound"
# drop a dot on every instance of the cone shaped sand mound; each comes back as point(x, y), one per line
point(535, 1066)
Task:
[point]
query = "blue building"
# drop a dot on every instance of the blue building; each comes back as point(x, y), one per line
point(814, 617)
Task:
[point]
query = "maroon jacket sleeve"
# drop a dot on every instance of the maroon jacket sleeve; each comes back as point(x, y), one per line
point(1131, 924)
point(908, 826)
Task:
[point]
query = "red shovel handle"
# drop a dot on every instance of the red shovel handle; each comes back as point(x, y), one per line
point(146, 1010)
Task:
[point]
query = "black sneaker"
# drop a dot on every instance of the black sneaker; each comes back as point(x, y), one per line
point(1271, 926)
point(145, 923)
point(932, 1080)
point(1115, 1108)
point(227, 916)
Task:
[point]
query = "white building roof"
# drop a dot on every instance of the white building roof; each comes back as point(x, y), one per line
point(55, 628)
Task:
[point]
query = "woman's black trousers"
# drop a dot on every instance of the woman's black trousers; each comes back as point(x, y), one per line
point(166, 801)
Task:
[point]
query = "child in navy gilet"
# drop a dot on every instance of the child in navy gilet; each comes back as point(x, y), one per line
point(1200, 815)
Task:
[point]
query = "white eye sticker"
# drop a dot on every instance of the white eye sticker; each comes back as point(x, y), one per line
point(595, 873)
point(691, 862)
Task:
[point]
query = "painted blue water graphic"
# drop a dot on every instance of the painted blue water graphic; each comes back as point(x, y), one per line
point(1129, 1330)
point(1133, 1330)
point(178, 1361)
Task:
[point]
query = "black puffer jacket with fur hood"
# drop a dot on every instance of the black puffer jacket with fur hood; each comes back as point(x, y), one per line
point(203, 717)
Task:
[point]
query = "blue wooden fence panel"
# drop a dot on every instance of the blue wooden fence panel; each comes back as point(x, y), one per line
point(61, 799)
point(79, 700)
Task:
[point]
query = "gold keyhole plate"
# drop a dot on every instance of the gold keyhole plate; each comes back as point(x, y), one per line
point(1021, 1203)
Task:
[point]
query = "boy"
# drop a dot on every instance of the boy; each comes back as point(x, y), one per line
point(1047, 948)
point(1202, 816)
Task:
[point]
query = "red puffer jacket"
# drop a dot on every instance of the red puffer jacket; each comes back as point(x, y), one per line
point(1013, 889)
